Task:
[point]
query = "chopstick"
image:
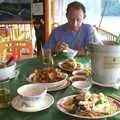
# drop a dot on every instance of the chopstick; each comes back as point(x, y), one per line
point(42, 51)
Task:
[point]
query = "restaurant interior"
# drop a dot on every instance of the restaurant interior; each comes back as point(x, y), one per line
point(63, 84)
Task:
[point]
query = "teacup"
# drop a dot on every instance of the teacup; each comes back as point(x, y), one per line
point(32, 94)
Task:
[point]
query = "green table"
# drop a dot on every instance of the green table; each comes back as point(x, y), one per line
point(25, 67)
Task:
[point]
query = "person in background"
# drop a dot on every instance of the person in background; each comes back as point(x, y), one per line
point(74, 34)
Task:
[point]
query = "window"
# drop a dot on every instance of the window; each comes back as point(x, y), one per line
point(103, 13)
point(112, 7)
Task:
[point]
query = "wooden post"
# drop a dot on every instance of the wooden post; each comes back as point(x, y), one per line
point(48, 19)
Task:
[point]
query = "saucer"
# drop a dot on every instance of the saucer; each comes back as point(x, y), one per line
point(18, 104)
point(103, 85)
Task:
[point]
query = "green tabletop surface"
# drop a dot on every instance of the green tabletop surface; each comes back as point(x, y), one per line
point(27, 66)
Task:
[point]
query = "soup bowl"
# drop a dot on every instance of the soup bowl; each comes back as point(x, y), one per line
point(32, 94)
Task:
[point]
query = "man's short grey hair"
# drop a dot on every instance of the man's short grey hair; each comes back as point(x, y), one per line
point(76, 5)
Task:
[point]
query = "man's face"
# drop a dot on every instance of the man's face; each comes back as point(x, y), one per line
point(75, 18)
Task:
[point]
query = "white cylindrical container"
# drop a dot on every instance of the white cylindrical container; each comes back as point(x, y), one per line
point(105, 62)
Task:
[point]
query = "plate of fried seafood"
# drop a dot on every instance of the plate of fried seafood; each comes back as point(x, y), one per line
point(89, 106)
point(49, 75)
point(69, 65)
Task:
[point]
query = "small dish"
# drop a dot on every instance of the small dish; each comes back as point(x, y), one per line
point(79, 72)
point(18, 104)
point(77, 78)
point(81, 86)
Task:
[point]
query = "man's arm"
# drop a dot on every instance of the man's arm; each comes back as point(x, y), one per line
point(54, 43)
point(93, 36)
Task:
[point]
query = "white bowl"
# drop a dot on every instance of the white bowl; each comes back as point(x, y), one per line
point(70, 53)
point(32, 94)
point(82, 86)
point(7, 71)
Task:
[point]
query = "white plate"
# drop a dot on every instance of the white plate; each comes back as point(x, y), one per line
point(63, 86)
point(60, 102)
point(116, 86)
point(53, 87)
point(17, 103)
point(53, 84)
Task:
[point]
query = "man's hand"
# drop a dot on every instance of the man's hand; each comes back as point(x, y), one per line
point(61, 46)
point(81, 51)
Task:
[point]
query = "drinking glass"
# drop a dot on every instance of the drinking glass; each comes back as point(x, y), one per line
point(47, 57)
point(4, 92)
